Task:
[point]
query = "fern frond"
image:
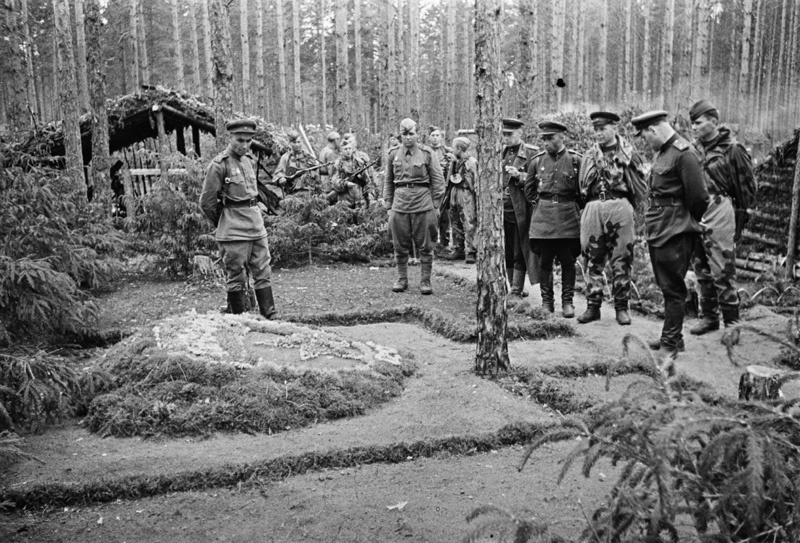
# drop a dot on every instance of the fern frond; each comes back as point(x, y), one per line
point(486, 510)
point(577, 451)
point(558, 434)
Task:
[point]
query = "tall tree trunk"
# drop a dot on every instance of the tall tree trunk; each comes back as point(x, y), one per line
point(180, 81)
point(603, 54)
point(744, 66)
point(29, 48)
point(141, 35)
point(196, 78)
point(281, 32)
point(323, 10)
point(491, 354)
point(450, 63)
point(209, 63)
point(794, 67)
point(700, 45)
point(298, 88)
point(402, 55)
point(244, 32)
point(414, 60)
point(261, 81)
point(626, 83)
point(223, 68)
point(765, 107)
point(69, 93)
point(734, 55)
point(646, 53)
point(15, 73)
point(580, 52)
point(358, 96)
point(133, 48)
point(80, 56)
point(557, 51)
point(782, 65)
point(341, 106)
point(96, 67)
point(392, 113)
point(669, 51)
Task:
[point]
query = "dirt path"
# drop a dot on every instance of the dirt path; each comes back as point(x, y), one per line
point(443, 399)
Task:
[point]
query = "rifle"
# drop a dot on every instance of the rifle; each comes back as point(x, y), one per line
point(354, 175)
point(290, 179)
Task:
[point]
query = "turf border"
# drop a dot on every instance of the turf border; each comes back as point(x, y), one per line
point(142, 486)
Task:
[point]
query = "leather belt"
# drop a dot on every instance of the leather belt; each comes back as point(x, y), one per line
point(668, 201)
point(400, 185)
point(604, 195)
point(242, 203)
point(558, 197)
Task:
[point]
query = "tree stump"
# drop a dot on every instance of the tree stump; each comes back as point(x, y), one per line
point(760, 383)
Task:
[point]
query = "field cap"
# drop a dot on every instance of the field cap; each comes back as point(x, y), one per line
point(549, 128)
point(510, 124)
point(647, 119)
point(703, 107)
point(241, 126)
point(602, 118)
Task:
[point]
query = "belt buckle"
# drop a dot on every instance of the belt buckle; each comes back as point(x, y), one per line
point(554, 198)
point(602, 196)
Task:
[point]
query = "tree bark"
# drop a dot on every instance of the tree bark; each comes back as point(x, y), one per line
point(141, 35)
point(603, 54)
point(491, 355)
point(281, 33)
point(69, 93)
point(180, 81)
point(358, 96)
point(766, 98)
point(402, 54)
point(298, 89)
point(261, 81)
point(744, 66)
point(340, 107)
point(323, 10)
point(96, 67)
point(223, 69)
point(209, 88)
point(557, 52)
point(29, 47)
point(390, 73)
point(412, 68)
point(196, 78)
point(133, 47)
point(700, 45)
point(450, 63)
point(646, 52)
point(669, 51)
point(626, 78)
point(80, 57)
point(782, 65)
point(580, 53)
point(244, 34)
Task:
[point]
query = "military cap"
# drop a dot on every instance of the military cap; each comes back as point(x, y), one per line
point(648, 119)
point(241, 126)
point(510, 124)
point(408, 125)
point(462, 142)
point(293, 135)
point(703, 107)
point(602, 118)
point(549, 128)
point(333, 135)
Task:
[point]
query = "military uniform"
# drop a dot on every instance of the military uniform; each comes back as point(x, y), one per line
point(413, 191)
point(289, 164)
point(354, 190)
point(328, 156)
point(461, 186)
point(229, 200)
point(442, 154)
point(516, 218)
point(611, 179)
point(677, 200)
point(554, 232)
point(726, 165)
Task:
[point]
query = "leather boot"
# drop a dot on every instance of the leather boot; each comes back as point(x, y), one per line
point(517, 282)
point(425, 287)
point(623, 317)
point(402, 282)
point(592, 313)
point(710, 319)
point(266, 304)
point(546, 285)
point(567, 291)
point(236, 302)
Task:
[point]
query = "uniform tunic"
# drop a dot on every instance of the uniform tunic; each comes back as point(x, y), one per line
point(517, 213)
point(289, 164)
point(462, 179)
point(553, 184)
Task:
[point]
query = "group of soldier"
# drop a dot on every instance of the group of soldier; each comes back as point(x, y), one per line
point(558, 204)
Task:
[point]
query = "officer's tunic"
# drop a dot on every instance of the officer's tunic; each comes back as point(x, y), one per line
point(517, 213)
point(240, 227)
point(725, 162)
point(553, 183)
point(461, 184)
point(678, 199)
point(413, 191)
point(611, 180)
point(443, 228)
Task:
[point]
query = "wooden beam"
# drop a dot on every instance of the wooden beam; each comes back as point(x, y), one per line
point(156, 171)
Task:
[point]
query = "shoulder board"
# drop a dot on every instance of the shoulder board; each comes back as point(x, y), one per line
point(427, 149)
point(531, 147)
point(540, 153)
point(680, 144)
point(220, 157)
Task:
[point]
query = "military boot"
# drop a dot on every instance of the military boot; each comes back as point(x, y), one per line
point(546, 285)
point(592, 312)
point(710, 319)
point(517, 283)
point(236, 302)
point(266, 304)
point(567, 291)
point(425, 287)
point(402, 282)
point(623, 317)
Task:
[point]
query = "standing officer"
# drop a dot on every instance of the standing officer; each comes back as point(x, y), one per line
point(443, 154)
point(611, 180)
point(516, 209)
point(413, 192)
point(291, 162)
point(728, 171)
point(229, 200)
point(678, 198)
point(461, 190)
point(555, 230)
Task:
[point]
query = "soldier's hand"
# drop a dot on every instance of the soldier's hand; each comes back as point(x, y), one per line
point(512, 171)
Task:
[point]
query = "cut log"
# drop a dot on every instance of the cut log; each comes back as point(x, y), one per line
point(760, 383)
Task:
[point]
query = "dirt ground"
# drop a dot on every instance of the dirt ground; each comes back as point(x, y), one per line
point(420, 499)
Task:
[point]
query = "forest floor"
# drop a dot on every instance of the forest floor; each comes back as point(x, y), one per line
point(423, 498)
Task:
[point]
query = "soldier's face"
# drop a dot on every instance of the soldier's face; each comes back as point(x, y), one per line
point(704, 127)
point(649, 136)
point(605, 134)
point(436, 138)
point(394, 142)
point(240, 143)
point(347, 151)
point(409, 137)
point(553, 143)
point(511, 137)
point(296, 145)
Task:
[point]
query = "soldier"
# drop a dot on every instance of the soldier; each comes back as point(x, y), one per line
point(293, 161)
point(516, 209)
point(611, 180)
point(443, 154)
point(352, 176)
point(413, 192)
point(328, 155)
point(461, 189)
point(555, 230)
point(229, 201)
point(677, 200)
point(728, 171)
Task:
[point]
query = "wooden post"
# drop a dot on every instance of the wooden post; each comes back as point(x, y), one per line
point(128, 198)
point(162, 141)
point(180, 141)
point(196, 140)
point(792, 243)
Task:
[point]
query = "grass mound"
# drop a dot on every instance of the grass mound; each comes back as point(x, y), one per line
point(163, 387)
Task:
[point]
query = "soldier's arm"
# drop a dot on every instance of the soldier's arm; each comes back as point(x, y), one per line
point(388, 183)
point(694, 185)
point(636, 178)
point(532, 181)
point(471, 173)
point(744, 184)
point(280, 171)
point(437, 180)
point(209, 197)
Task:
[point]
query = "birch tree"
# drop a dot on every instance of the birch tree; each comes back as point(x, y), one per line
point(133, 47)
point(603, 54)
point(412, 67)
point(358, 98)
